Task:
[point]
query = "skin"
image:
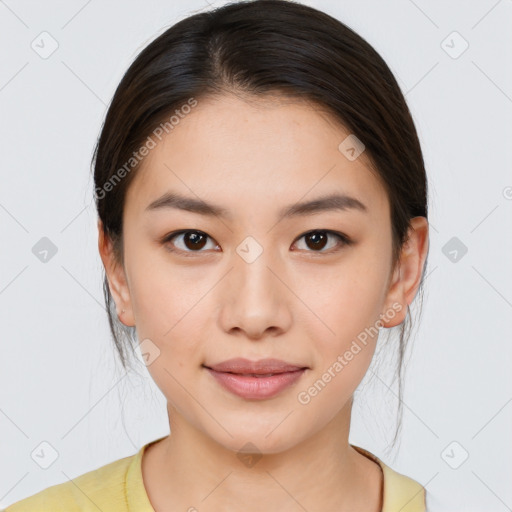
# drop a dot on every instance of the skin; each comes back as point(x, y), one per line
point(294, 302)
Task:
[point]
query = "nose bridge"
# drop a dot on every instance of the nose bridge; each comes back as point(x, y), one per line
point(252, 270)
point(255, 299)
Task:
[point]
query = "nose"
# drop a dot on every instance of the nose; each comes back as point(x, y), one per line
point(256, 302)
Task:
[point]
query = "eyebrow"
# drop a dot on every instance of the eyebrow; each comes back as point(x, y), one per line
point(329, 202)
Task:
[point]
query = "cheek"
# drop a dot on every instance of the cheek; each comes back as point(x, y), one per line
point(347, 301)
point(344, 332)
point(345, 298)
point(161, 294)
point(168, 311)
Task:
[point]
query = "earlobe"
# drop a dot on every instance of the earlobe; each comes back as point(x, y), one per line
point(408, 272)
point(116, 278)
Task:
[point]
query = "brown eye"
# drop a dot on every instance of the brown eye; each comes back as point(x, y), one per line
point(317, 240)
point(187, 241)
point(194, 240)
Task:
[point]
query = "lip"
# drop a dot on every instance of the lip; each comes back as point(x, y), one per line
point(243, 366)
point(239, 376)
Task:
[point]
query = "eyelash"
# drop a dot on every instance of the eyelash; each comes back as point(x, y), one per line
point(344, 240)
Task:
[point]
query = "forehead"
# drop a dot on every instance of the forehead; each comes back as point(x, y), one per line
point(254, 154)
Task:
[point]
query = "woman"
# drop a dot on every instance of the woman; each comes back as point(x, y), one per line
point(262, 204)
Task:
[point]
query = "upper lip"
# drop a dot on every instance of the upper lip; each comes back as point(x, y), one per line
point(263, 366)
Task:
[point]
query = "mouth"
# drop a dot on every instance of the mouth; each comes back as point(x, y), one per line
point(243, 366)
point(255, 380)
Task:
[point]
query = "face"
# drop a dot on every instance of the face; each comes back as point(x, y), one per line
point(249, 281)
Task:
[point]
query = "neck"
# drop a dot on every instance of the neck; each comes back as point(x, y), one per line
point(189, 470)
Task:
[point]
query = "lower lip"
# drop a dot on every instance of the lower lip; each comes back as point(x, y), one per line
point(257, 388)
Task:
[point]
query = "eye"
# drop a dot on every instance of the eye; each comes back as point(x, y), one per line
point(190, 240)
point(318, 240)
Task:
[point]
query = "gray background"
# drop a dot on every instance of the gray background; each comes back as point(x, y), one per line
point(60, 384)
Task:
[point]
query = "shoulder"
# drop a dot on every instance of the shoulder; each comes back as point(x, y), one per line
point(402, 492)
point(399, 492)
point(99, 489)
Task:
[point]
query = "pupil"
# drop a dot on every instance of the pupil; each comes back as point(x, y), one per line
point(195, 239)
point(319, 240)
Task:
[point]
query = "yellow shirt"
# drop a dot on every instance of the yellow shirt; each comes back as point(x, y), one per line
point(119, 487)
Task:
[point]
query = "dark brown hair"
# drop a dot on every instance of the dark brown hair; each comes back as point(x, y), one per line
point(258, 49)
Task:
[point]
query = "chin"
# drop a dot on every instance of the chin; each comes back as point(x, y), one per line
point(256, 441)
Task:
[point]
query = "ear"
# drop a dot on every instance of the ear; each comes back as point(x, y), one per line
point(407, 273)
point(116, 278)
